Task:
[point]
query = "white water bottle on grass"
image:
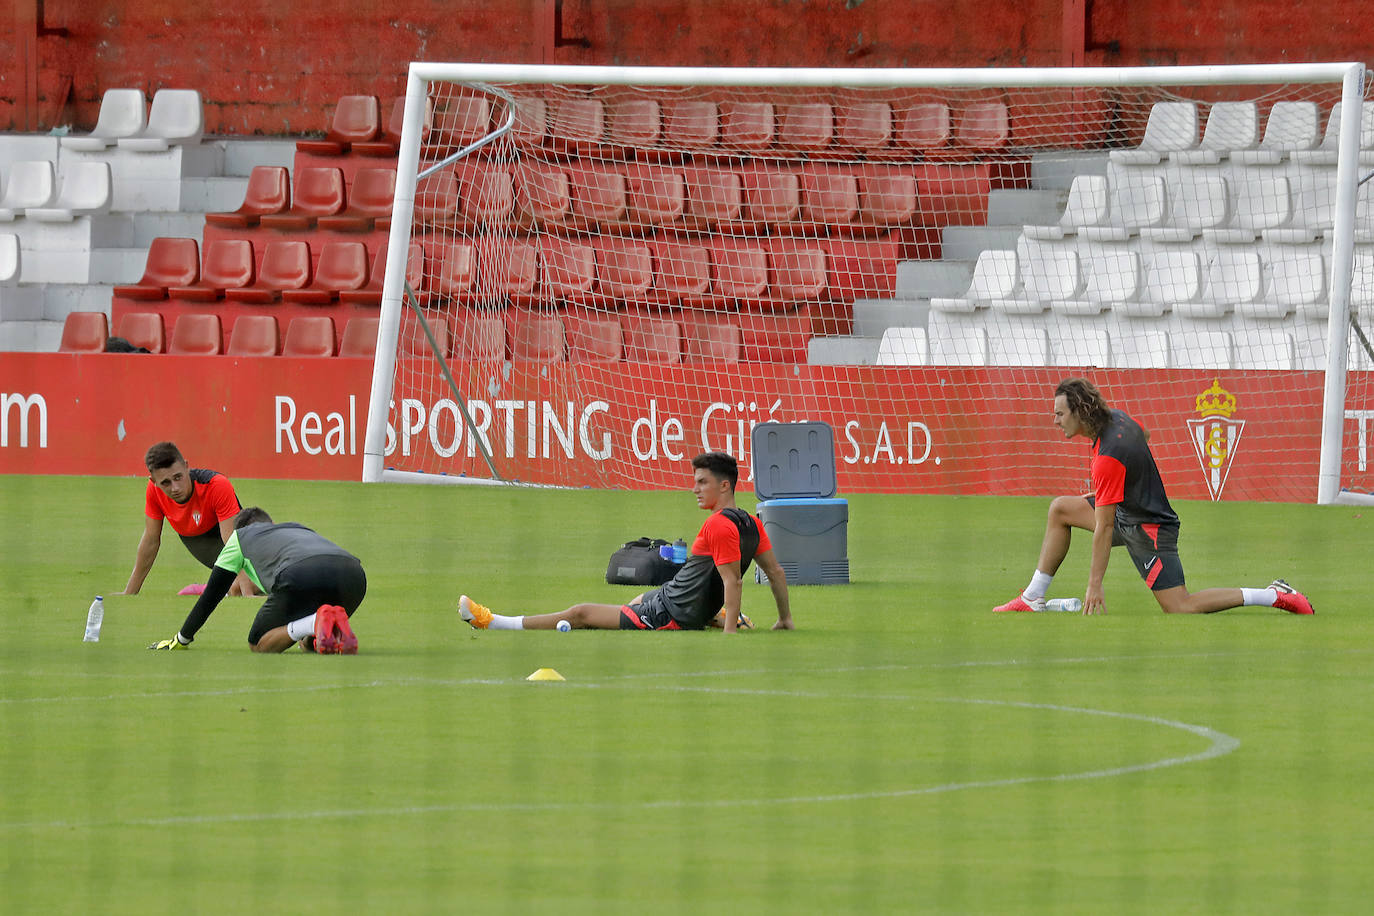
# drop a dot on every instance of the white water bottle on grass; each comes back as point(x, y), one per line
point(1068, 605)
point(94, 618)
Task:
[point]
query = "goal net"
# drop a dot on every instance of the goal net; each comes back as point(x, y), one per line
point(596, 273)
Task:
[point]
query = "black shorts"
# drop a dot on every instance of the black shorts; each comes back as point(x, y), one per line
point(204, 547)
point(1153, 550)
point(649, 614)
point(301, 589)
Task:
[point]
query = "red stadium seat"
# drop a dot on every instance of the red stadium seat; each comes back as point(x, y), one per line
point(479, 334)
point(317, 192)
point(746, 127)
point(371, 294)
point(196, 334)
point(576, 126)
point(654, 197)
point(531, 127)
point(679, 271)
point(805, 128)
point(536, 336)
point(886, 199)
point(597, 196)
point(254, 335)
point(84, 332)
point(982, 125)
point(451, 268)
point(922, 126)
point(369, 203)
point(829, 198)
point(772, 197)
point(342, 267)
point(228, 265)
point(796, 273)
point(171, 262)
point(309, 336)
point(739, 271)
point(542, 195)
point(567, 271)
point(652, 340)
point(864, 128)
point(414, 341)
point(593, 337)
point(624, 272)
point(436, 198)
point(268, 191)
point(460, 123)
point(690, 126)
point(486, 196)
point(357, 119)
point(714, 197)
point(285, 265)
point(633, 125)
point(390, 139)
point(505, 269)
point(360, 337)
point(144, 329)
point(709, 338)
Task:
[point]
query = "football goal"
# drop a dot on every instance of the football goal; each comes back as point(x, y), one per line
point(594, 273)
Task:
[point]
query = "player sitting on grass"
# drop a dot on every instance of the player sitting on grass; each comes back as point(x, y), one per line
point(711, 581)
point(313, 586)
point(1127, 506)
point(199, 504)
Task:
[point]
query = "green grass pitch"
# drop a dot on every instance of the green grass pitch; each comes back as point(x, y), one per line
point(903, 751)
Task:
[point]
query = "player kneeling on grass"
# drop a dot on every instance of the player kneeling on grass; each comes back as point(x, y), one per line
point(1128, 507)
point(313, 586)
point(710, 583)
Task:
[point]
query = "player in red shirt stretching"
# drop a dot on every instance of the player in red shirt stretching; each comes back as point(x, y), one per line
point(1128, 507)
point(710, 581)
point(200, 505)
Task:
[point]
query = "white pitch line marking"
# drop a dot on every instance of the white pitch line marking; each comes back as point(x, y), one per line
point(1219, 744)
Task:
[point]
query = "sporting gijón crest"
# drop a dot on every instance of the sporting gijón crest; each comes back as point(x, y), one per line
point(1215, 435)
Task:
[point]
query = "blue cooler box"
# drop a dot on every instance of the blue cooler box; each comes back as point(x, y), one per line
point(794, 479)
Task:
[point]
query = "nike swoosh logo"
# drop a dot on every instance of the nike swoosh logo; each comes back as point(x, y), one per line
point(1151, 562)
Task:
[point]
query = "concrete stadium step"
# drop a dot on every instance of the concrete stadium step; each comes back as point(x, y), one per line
point(212, 195)
point(965, 243)
point(842, 351)
point(1057, 170)
point(118, 265)
point(241, 155)
point(1020, 207)
point(30, 336)
point(924, 279)
point(874, 316)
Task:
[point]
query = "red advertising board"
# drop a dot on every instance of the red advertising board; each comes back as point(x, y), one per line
point(1233, 435)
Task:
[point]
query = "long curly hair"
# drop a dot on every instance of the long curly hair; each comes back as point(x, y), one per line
point(1086, 403)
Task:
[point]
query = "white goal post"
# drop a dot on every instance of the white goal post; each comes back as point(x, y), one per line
point(491, 370)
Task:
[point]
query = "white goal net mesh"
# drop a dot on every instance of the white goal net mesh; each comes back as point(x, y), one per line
point(627, 275)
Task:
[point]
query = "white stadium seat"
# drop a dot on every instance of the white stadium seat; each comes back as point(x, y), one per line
point(1264, 347)
point(1111, 276)
point(994, 277)
point(1197, 201)
point(1262, 201)
point(9, 259)
point(1325, 154)
point(123, 113)
point(1172, 276)
point(175, 118)
point(1087, 206)
point(1172, 126)
point(86, 189)
point(1136, 201)
point(1296, 280)
point(29, 185)
point(1291, 126)
point(1230, 126)
point(1233, 277)
point(958, 345)
point(1049, 272)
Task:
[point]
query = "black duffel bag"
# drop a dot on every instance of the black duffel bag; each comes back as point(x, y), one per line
point(639, 563)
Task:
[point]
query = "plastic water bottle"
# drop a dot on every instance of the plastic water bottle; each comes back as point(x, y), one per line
point(679, 551)
point(1069, 605)
point(94, 618)
point(666, 552)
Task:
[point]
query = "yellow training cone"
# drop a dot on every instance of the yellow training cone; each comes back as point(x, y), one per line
point(546, 674)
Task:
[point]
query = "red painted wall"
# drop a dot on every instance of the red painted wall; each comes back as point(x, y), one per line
point(268, 67)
